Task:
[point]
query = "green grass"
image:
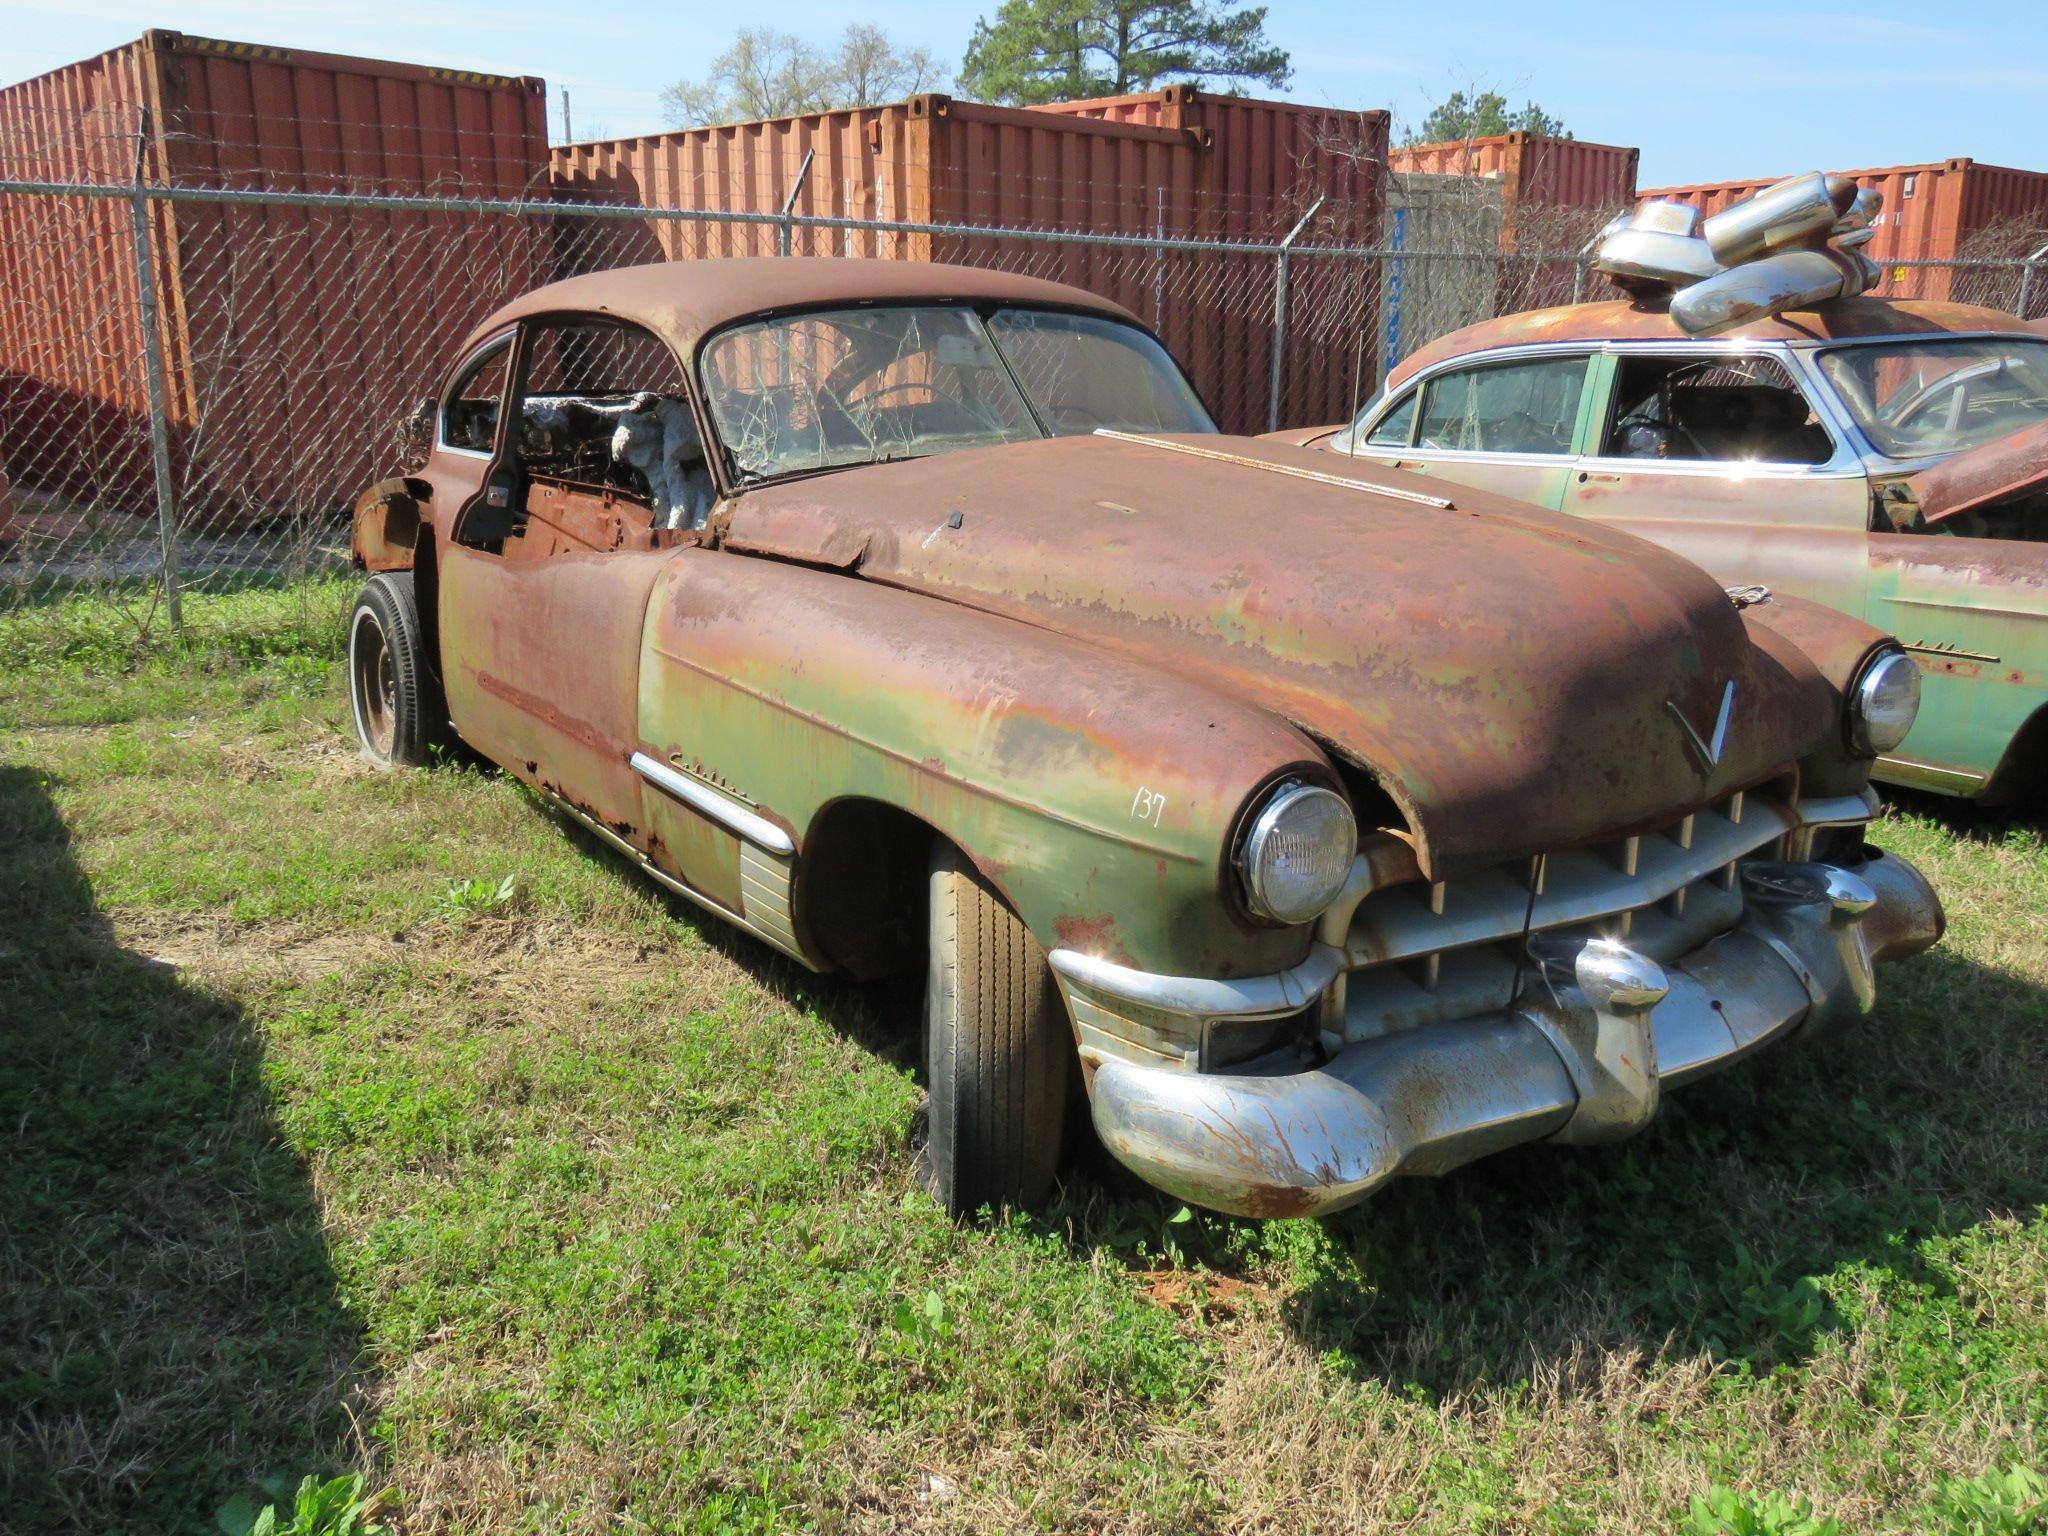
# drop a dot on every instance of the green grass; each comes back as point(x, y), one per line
point(564, 1210)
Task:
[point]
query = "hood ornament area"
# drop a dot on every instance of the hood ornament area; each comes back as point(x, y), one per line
point(1707, 750)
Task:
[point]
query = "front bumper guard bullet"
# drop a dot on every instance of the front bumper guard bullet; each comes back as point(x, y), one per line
point(1581, 1056)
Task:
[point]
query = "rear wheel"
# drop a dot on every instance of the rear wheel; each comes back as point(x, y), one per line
point(997, 1050)
point(400, 716)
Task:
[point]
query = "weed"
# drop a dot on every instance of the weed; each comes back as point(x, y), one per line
point(1754, 1314)
point(336, 1507)
point(1725, 1512)
point(473, 898)
point(2009, 1503)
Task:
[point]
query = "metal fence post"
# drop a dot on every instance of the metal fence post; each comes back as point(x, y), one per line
point(782, 239)
point(2027, 279)
point(1280, 262)
point(153, 369)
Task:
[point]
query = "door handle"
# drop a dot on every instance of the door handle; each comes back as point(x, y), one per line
point(1416, 464)
point(1604, 479)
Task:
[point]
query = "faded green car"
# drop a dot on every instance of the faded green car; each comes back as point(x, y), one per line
point(915, 619)
point(1889, 459)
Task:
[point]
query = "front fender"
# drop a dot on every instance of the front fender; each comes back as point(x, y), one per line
point(1802, 635)
point(386, 524)
point(1097, 793)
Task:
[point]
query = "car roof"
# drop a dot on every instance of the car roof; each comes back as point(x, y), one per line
point(684, 301)
point(1625, 320)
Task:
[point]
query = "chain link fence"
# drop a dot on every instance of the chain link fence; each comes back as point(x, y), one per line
point(197, 380)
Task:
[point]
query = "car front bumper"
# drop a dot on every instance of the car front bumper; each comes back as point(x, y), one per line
point(1594, 1034)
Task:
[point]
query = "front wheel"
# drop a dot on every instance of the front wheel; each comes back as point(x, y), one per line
point(393, 695)
point(997, 1050)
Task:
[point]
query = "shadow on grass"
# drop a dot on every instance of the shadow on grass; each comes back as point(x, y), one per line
point(1723, 1227)
point(1716, 1229)
point(170, 1327)
point(1968, 820)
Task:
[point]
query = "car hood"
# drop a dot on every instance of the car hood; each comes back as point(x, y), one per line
point(1510, 677)
point(1991, 472)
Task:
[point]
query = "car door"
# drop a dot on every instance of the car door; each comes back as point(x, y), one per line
point(544, 581)
point(1510, 425)
point(1720, 454)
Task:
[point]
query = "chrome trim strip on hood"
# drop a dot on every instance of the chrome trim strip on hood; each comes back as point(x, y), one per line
point(1246, 461)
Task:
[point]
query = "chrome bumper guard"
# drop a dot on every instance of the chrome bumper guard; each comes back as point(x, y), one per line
point(1595, 1034)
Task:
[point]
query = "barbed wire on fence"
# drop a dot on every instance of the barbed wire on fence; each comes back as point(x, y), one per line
point(295, 329)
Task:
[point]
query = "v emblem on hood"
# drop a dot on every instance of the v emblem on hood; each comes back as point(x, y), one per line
point(1708, 752)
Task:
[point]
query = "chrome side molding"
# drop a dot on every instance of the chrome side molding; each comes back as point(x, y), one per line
point(724, 810)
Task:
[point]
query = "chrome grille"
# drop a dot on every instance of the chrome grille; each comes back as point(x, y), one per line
point(1417, 953)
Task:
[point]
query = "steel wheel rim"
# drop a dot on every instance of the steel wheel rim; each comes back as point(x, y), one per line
point(373, 685)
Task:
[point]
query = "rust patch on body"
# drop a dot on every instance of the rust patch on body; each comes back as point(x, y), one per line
point(1484, 666)
point(582, 732)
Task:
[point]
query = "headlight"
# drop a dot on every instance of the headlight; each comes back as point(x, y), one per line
point(1883, 703)
point(1298, 853)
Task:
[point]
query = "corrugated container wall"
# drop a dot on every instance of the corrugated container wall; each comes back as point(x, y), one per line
point(1943, 210)
point(71, 381)
point(1534, 171)
point(1172, 163)
point(291, 337)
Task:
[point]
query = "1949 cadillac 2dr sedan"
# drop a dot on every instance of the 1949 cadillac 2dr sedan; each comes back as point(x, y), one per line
point(1320, 827)
point(1887, 458)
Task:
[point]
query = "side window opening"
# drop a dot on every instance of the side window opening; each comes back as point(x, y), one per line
point(1527, 407)
point(469, 421)
point(605, 408)
point(1397, 427)
point(1713, 409)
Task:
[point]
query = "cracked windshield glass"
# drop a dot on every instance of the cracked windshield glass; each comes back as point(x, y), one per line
point(841, 387)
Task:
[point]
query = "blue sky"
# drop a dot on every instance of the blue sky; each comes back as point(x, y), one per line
point(1725, 89)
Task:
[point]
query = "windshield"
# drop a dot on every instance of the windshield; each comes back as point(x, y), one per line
point(1917, 398)
point(863, 386)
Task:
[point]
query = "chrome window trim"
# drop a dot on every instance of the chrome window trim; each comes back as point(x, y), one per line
point(1845, 459)
point(1492, 357)
point(1470, 456)
point(447, 396)
point(1535, 349)
point(1853, 454)
point(1843, 466)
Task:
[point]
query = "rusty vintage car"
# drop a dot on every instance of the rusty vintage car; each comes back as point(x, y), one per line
point(1318, 826)
point(1886, 458)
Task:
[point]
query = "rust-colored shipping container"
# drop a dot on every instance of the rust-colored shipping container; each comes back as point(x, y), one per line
point(1171, 163)
point(290, 336)
point(1942, 210)
point(1534, 171)
point(1544, 195)
point(73, 407)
